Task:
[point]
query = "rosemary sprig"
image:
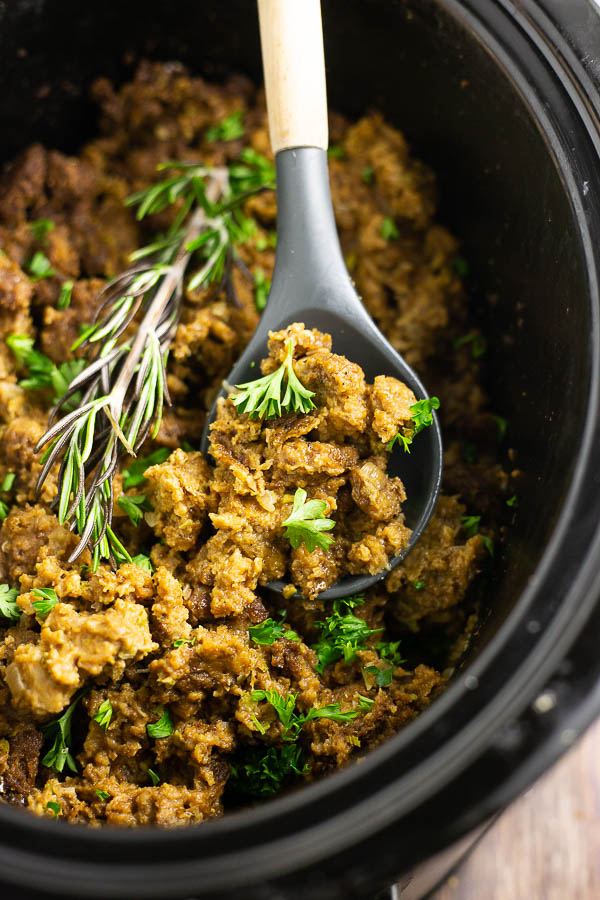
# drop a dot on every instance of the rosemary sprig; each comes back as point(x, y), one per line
point(123, 386)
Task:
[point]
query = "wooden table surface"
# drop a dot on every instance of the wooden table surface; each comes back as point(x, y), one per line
point(547, 845)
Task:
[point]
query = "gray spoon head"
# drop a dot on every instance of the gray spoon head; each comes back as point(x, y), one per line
point(311, 285)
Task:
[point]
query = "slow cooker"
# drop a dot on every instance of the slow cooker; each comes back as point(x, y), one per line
point(502, 98)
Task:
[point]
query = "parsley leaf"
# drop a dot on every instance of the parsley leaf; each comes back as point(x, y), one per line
point(134, 506)
point(292, 721)
point(59, 753)
point(228, 129)
point(269, 631)
point(389, 229)
point(470, 525)
point(343, 634)
point(64, 298)
point(502, 426)
point(419, 585)
point(365, 703)
point(477, 342)
point(336, 152)
point(261, 773)
point(42, 372)
point(8, 603)
point(104, 714)
point(383, 676)
point(389, 650)
point(402, 439)
point(163, 728)
point(104, 795)
point(262, 398)
point(54, 807)
point(264, 242)
point(48, 599)
point(512, 501)
point(39, 267)
point(8, 481)
point(181, 641)
point(331, 711)
point(154, 778)
point(41, 228)
point(144, 562)
point(306, 523)
point(133, 475)
point(368, 175)
point(422, 413)
point(262, 286)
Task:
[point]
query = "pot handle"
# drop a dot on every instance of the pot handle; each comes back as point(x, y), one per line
point(291, 35)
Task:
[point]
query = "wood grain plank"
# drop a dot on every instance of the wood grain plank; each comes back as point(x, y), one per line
point(546, 846)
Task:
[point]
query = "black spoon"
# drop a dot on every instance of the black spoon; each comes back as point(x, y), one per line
point(310, 281)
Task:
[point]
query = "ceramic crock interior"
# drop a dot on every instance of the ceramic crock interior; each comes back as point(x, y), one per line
point(499, 189)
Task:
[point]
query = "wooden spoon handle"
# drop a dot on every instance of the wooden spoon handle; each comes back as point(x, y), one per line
point(291, 36)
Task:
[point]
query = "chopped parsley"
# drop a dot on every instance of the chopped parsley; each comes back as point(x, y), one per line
point(269, 631)
point(364, 703)
point(134, 505)
point(228, 129)
point(419, 585)
point(64, 298)
point(470, 525)
point(368, 175)
point(292, 721)
point(336, 152)
point(306, 523)
point(103, 795)
point(261, 773)
point(8, 481)
point(48, 600)
point(42, 372)
point(422, 416)
point(163, 728)
point(59, 729)
point(512, 501)
point(104, 714)
point(8, 603)
point(383, 676)
point(262, 286)
point(54, 807)
point(41, 228)
point(342, 634)
point(502, 425)
point(133, 475)
point(154, 778)
point(267, 241)
point(476, 340)
point(181, 641)
point(460, 266)
point(39, 266)
point(389, 229)
point(144, 562)
point(261, 399)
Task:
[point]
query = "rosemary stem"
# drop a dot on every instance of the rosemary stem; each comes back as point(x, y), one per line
point(151, 319)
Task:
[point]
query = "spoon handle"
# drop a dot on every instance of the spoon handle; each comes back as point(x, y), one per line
point(291, 36)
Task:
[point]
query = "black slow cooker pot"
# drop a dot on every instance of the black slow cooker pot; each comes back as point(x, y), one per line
point(501, 97)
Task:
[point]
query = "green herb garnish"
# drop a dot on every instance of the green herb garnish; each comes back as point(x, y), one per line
point(134, 505)
point(470, 525)
point(8, 603)
point(512, 501)
point(59, 753)
point(383, 676)
point(389, 229)
point(39, 267)
point(228, 129)
point(401, 439)
point(42, 373)
point(261, 773)
point(460, 266)
point(181, 641)
point(104, 714)
point(368, 175)
point(64, 298)
point(306, 523)
point(103, 795)
point(41, 228)
point(261, 399)
point(502, 426)
point(262, 286)
point(163, 728)
point(144, 562)
point(342, 634)
point(365, 703)
point(292, 721)
point(477, 342)
point(154, 778)
point(422, 413)
point(54, 807)
point(133, 475)
point(336, 152)
point(48, 600)
point(419, 585)
point(269, 631)
point(8, 481)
